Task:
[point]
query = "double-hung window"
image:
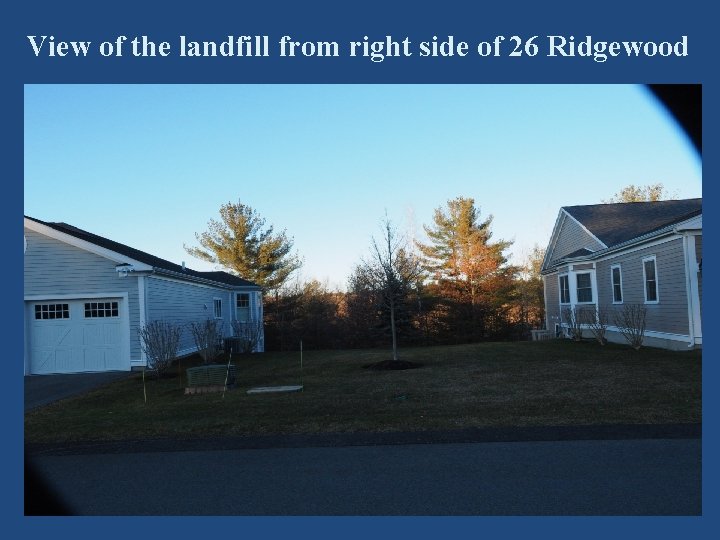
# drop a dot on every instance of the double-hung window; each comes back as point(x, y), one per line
point(217, 308)
point(564, 289)
point(616, 278)
point(650, 280)
point(584, 288)
point(243, 307)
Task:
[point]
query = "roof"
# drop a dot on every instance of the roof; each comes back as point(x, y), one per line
point(617, 223)
point(151, 260)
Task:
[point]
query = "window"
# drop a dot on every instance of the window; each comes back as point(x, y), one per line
point(96, 310)
point(584, 288)
point(217, 307)
point(616, 278)
point(52, 311)
point(650, 278)
point(564, 290)
point(243, 307)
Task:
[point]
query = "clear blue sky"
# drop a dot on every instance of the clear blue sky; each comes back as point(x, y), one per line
point(149, 165)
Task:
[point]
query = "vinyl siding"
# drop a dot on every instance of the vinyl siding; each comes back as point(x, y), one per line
point(183, 303)
point(52, 267)
point(698, 255)
point(552, 306)
point(570, 238)
point(670, 313)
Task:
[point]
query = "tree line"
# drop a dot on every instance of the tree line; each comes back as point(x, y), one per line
point(459, 287)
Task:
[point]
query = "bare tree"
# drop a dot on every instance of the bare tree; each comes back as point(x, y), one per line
point(247, 335)
point(208, 339)
point(159, 341)
point(630, 320)
point(392, 270)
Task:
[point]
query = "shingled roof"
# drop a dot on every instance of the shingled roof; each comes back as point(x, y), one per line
point(151, 260)
point(614, 224)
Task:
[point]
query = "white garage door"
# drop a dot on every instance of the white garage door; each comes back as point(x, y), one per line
point(73, 336)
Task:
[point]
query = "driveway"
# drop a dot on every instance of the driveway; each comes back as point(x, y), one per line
point(43, 389)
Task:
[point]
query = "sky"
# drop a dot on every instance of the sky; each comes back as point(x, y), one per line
point(150, 165)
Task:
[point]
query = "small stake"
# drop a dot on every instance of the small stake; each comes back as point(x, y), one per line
point(144, 392)
point(227, 372)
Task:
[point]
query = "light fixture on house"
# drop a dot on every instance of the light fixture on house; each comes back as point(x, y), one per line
point(124, 269)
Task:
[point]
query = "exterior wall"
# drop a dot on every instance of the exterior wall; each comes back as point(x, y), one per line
point(52, 267)
point(182, 303)
point(698, 256)
point(552, 305)
point(572, 237)
point(670, 314)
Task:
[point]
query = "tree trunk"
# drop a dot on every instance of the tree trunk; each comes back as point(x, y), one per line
point(392, 329)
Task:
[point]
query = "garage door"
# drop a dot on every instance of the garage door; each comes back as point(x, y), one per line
point(74, 336)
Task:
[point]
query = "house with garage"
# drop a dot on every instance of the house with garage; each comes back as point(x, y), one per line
point(87, 296)
point(604, 257)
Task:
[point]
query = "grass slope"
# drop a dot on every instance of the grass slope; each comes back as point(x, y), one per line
point(489, 384)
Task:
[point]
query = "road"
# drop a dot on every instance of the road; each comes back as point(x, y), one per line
point(576, 477)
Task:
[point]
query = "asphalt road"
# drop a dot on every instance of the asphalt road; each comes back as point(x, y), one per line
point(573, 477)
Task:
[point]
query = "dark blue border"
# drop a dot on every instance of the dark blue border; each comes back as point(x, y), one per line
point(342, 22)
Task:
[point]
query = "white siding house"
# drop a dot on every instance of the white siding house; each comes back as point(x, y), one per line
point(603, 257)
point(86, 298)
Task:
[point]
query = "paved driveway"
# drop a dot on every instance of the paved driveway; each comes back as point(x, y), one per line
point(43, 389)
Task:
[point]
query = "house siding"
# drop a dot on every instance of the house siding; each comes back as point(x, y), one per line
point(571, 238)
point(670, 314)
point(183, 303)
point(552, 305)
point(698, 257)
point(52, 267)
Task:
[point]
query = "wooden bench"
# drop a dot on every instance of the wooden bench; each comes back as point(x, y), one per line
point(210, 378)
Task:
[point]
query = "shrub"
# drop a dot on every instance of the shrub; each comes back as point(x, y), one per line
point(573, 320)
point(247, 335)
point(159, 341)
point(597, 321)
point(630, 321)
point(208, 339)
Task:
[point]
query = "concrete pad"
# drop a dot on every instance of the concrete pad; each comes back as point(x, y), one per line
point(271, 389)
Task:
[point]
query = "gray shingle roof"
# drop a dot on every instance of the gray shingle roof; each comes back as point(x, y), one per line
point(616, 223)
point(156, 262)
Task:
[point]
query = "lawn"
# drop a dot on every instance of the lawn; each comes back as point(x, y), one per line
point(488, 384)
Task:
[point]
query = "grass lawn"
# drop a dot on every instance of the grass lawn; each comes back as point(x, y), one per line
point(488, 384)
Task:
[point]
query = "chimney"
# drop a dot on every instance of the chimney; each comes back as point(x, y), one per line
point(183, 266)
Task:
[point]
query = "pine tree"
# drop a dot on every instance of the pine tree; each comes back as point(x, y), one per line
point(467, 269)
point(241, 243)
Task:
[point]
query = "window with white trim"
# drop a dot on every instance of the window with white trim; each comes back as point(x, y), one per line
point(584, 288)
point(52, 311)
point(242, 307)
point(97, 310)
point(564, 289)
point(217, 308)
point(650, 279)
point(616, 280)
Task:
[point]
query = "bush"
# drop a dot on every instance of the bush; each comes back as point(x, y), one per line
point(630, 321)
point(597, 321)
point(208, 339)
point(247, 335)
point(159, 341)
point(573, 320)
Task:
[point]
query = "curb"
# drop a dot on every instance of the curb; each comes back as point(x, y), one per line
point(470, 435)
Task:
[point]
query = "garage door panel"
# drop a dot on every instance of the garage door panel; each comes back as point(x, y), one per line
point(77, 343)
